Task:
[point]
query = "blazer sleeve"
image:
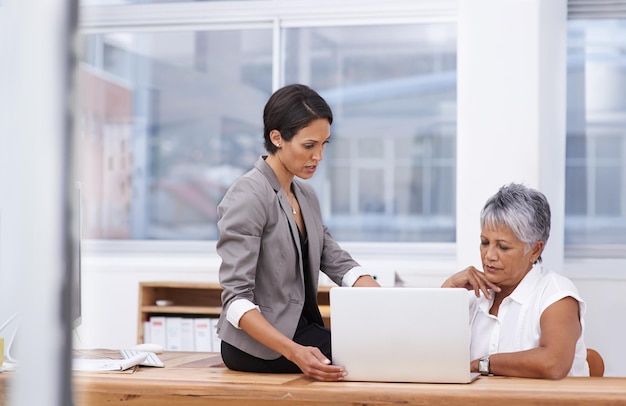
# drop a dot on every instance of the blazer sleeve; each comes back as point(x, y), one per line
point(336, 261)
point(241, 218)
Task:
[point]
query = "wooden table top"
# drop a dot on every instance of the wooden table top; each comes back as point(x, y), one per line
point(201, 378)
point(195, 378)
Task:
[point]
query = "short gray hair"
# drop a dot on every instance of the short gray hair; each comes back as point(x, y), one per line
point(524, 210)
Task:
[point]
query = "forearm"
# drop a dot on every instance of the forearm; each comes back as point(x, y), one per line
point(309, 359)
point(534, 363)
point(261, 330)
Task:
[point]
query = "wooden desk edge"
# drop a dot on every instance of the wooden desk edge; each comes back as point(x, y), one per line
point(213, 381)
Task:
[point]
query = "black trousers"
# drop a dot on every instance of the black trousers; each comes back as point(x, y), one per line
point(307, 334)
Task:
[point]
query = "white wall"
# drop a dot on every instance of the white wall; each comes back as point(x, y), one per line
point(602, 284)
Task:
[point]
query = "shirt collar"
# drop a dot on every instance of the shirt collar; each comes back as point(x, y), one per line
point(521, 293)
point(527, 285)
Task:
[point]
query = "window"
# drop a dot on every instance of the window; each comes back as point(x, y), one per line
point(389, 171)
point(187, 107)
point(182, 109)
point(595, 204)
point(184, 94)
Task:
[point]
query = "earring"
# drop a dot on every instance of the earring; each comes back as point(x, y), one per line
point(277, 145)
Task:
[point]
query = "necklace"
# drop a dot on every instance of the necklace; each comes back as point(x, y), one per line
point(292, 204)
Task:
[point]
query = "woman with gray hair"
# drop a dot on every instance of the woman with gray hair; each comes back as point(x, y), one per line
point(525, 320)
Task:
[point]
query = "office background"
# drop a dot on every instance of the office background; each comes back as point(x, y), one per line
point(437, 104)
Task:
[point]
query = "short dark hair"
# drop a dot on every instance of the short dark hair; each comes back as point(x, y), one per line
point(290, 109)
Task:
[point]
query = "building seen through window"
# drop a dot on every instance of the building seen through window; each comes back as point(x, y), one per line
point(168, 120)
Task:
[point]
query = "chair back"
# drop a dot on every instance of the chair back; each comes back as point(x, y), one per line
point(596, 363)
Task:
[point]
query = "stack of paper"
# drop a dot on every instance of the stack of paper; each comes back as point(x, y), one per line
point(107, 364)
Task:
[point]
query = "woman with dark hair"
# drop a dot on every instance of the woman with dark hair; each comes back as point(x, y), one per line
point(273, 244)
point(528, 321)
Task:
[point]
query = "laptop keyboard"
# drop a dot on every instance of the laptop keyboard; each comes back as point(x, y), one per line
point(151, 361)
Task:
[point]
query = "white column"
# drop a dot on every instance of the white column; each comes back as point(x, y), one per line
point(511, 111)
point(34, 101)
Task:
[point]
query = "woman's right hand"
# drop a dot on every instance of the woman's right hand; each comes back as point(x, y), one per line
point(311, 361)
point(471, 279)
point(315, 365)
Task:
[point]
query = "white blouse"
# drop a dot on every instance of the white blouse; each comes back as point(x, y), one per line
point(517, 327)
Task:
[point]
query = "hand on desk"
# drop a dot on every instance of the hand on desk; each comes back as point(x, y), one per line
point(311, 361)
point(315, 365)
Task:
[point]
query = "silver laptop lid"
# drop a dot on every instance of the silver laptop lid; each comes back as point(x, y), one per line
point(401, 334)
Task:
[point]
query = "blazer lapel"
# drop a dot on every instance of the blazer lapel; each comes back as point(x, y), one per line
point(284, 202)
point(267, 171)
point(309, 219)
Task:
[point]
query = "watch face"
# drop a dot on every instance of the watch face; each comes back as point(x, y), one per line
point(483, 366)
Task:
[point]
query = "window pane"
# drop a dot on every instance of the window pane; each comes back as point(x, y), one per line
point(370, 202)
point(393, 94)
point(606, 179)
point(167, 121)
point(595, 205)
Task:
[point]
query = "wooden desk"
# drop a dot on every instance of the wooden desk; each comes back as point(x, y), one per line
point(201, 378)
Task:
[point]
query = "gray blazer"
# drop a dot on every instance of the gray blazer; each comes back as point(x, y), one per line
point(261, 254)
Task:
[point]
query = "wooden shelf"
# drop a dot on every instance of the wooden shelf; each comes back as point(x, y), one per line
point(195, 299)
point(201, 310)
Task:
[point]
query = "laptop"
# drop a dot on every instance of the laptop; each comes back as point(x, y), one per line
point(401, 334)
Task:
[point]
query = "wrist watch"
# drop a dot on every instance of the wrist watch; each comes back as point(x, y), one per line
point(483, 365)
